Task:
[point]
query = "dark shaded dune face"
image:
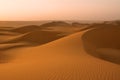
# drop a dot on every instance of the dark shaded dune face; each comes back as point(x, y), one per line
point(96, 25)
point(26, 29)
point(1, 29)
point(40, 37)
point(4, 34)
point(30, 28)
point(37, 38)
point(118, 23)
point(55, 23)
point(6, 27)
point(103, 43)
point(7, 33)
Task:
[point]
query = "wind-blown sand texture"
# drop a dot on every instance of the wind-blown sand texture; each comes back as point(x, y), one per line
point(92, 53)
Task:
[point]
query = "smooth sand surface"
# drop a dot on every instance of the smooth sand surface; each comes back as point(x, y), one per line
point(67, 58)
point(103, 37)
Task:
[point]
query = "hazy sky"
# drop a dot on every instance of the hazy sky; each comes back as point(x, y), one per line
point(59, 9)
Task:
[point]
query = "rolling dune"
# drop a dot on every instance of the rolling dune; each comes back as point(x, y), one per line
point(2, 33)
point(29, 28)
point(35, 37)
point(66, 58)
point(6, 38)
point(26, 29)
point(2, 29)
point(56, 23)
point(104, 38)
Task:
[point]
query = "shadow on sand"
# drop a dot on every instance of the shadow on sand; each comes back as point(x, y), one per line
point(103, 43)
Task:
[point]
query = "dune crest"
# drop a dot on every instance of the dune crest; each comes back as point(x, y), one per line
point(89, 54)
point(63, 59)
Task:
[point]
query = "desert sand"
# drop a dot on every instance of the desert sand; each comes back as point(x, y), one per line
point(84, 53)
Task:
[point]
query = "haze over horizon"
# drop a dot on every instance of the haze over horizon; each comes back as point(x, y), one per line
point(18, 10)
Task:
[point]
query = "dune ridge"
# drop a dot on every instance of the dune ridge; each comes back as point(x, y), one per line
point(63, 59)
point(36, 35)
point(89, 54)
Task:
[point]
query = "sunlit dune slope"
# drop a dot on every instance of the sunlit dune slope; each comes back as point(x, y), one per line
point(63, 59)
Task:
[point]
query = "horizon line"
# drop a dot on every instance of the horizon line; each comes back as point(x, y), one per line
point(58, 20)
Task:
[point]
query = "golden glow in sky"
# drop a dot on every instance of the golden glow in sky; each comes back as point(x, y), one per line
point(59, 9)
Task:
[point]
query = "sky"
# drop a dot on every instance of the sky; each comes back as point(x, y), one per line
point(28, 10)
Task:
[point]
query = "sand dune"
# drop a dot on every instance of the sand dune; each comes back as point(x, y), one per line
point(76, 24)
point(58, 26)
point(2, 33)
point(65, 58)
point(88, 55)
point(103, 37)
point(30, 28)
point(65, 31)
point(26, 29)
point(56, 23)
point(64, 28)
point(100, 25)
point(109, 54)
point(6, 38)
point(36, 37)
point(5, 27)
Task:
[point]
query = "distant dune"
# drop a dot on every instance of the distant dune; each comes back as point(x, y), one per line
point(36, 37)
point(56, 23)
point(26, 29)
point(93, 53)
point(5, 28)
